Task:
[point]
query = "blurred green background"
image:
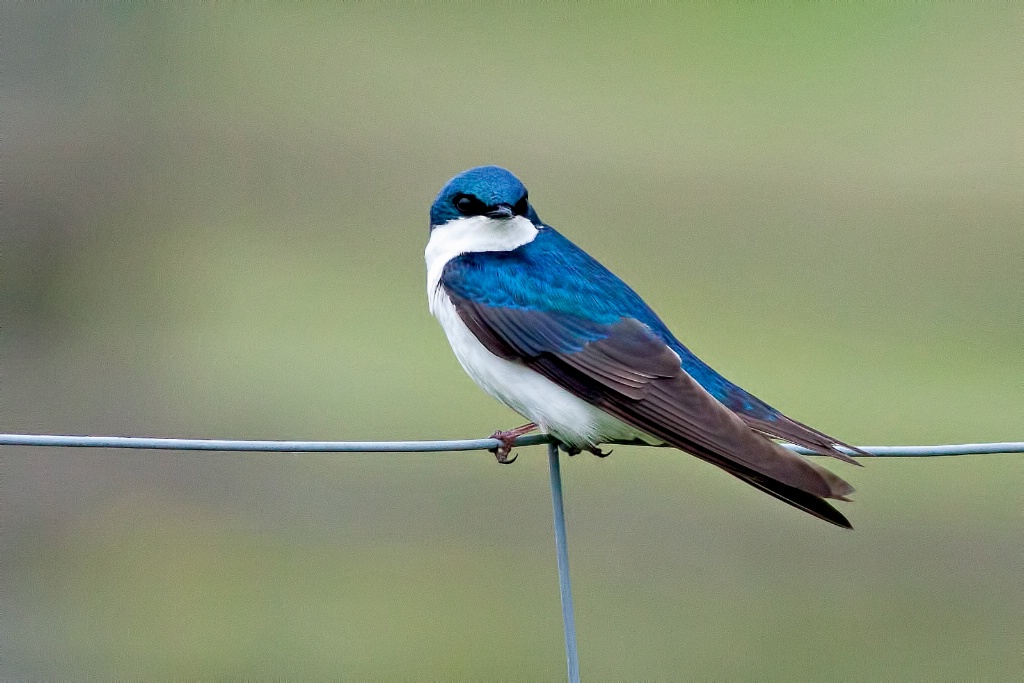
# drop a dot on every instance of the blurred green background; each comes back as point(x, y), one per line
point(213, 224)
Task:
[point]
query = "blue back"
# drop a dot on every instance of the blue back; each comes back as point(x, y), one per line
point(553, 275)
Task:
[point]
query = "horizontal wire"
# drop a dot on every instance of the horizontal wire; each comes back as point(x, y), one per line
point(426, 446)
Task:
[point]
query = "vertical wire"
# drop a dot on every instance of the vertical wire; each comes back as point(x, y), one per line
point(562, 551)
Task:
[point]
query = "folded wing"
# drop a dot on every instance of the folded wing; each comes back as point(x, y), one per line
point(629, 372)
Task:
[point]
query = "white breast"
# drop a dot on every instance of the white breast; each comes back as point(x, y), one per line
point(466, 235)
point(554, 409)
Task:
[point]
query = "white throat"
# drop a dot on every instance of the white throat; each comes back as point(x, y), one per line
point(476, 233)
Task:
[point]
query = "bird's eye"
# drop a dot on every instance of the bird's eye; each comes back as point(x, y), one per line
point(522, 206)
point(468, 205)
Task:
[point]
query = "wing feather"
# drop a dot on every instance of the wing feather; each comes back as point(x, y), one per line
point(629, 372)
point(790, 430)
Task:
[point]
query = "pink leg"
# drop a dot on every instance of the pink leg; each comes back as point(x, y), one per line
point(507, 439)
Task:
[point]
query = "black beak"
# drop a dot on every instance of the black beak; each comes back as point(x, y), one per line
point(500, 211)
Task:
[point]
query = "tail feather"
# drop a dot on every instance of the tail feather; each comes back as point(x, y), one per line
point(799, 499)
point(810, 501)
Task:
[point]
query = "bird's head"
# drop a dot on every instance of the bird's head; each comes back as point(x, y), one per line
point(484, 191)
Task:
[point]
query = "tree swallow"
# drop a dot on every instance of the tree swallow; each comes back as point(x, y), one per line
point(554, 335)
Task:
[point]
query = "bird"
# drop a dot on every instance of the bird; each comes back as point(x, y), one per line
point(551, 333)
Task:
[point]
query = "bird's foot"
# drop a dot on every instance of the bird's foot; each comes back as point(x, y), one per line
point(508, 438)
point(576, 450)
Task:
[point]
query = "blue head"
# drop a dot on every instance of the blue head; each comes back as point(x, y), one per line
point(482, 191)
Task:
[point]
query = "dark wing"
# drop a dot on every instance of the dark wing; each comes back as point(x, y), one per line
point(798, 433)
point(756, 413)
point(500, 279)
point(627, 371)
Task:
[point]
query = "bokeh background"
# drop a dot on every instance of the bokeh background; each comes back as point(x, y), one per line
point(213, 223)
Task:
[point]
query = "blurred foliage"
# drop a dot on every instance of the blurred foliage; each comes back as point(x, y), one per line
point(213, 222)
